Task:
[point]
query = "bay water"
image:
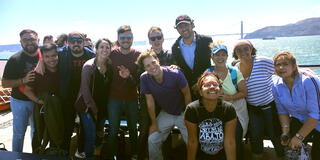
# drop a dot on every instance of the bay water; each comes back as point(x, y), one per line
point(305, 48)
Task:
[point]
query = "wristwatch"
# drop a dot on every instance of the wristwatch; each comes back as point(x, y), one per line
point(299, 136)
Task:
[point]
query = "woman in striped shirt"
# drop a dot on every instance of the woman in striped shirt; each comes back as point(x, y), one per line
point(258, 72)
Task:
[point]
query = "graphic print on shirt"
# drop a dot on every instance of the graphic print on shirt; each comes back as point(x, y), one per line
point(28, 67)
point(211, 136)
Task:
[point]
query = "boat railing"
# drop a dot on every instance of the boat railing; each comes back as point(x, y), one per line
point(5, 95)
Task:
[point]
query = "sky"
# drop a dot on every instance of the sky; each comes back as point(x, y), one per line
point(102, 18)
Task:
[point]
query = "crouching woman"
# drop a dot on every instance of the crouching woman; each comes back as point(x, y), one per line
point(211, 123)
point(297, 99)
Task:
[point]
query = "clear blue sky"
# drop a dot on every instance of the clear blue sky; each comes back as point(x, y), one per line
point(101, 18)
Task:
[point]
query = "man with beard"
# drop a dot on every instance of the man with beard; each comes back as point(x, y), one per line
point(19, 71)
point(71, 60)
point(191, 51)
point(123, 96)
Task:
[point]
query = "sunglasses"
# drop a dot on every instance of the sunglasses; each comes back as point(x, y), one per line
point(128, 37)
point(74, 40)
point(25, 40)
point(155, 37)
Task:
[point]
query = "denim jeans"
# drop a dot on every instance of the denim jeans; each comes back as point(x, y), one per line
point(89, 128)
point(115, 108)
point(22, 112)
point(264, 121)
point(165, 124)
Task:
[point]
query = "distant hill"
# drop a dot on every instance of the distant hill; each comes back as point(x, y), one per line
point(307, 27)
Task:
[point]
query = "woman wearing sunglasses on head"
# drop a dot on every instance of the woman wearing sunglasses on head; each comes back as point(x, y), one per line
point(211, 123)
point(257, 72)
point(297, 98)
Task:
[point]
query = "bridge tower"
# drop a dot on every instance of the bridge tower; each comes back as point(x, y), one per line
point(241, 29)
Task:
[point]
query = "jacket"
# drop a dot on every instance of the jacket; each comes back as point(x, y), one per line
point(100, 90)
point(65, 69)
point(201, 59)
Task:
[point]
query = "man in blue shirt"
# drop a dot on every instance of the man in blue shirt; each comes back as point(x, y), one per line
point(191, 51)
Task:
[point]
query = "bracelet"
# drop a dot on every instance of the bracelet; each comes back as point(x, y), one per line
point(299, 136)
point(285, 126)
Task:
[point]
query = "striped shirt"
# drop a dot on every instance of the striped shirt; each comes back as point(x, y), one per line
point(260, 81)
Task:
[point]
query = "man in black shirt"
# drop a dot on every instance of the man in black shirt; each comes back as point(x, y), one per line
point(71, 60)
point(19, 71)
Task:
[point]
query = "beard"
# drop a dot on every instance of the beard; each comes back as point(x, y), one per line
point(31, 48)
point(76, 50)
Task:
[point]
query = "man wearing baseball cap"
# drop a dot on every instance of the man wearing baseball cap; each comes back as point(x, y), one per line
point(191, 51)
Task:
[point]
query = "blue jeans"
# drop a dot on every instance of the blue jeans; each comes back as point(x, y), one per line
point(89, 128)
point(260, 121)
point(115, 108)
point(22, 112)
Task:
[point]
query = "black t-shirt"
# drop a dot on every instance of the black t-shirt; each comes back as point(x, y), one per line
point(210, 127)
point(77, 64)
point(47, 83)
point(17, 67)
point(101, 89)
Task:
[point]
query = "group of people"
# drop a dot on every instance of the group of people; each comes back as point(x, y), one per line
point(213, 104)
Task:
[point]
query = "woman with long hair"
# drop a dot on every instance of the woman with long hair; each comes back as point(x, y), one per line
point(95, 80)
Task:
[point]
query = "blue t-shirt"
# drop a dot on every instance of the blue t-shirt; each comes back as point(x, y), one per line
point(168, 94)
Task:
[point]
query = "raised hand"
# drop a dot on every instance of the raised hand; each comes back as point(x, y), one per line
point(30, 77)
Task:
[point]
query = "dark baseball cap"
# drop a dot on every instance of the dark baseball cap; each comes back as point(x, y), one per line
point(183, 19)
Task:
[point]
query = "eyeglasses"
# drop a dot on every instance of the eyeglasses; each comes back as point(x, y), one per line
point(25, 40)
point(209, 84)
point(155, 37)
point(128, 37)
point(74, 40)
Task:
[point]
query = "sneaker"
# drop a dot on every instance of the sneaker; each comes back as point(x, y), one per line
point(134, 157)
point(81, 155)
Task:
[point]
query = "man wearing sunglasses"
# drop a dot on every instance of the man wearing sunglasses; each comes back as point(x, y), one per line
point(71, 59)
point(123, 96)
point(19, 71)
point(156, 40)
point(191, 51)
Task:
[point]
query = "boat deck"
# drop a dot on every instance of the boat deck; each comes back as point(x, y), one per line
point(177, 143)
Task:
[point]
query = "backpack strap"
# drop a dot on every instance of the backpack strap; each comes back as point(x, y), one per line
point(210, 69)
point(233, 73)
point(317, 87)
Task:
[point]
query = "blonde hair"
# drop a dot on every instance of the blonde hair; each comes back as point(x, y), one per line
point(219, 42)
